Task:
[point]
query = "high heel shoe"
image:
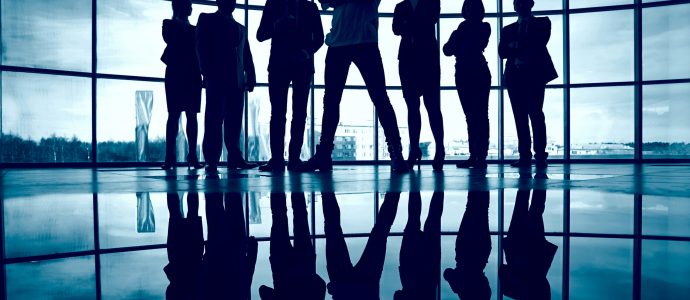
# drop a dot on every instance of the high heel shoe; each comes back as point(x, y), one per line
point(193, 162)
point(439, 159)
point(414, 156)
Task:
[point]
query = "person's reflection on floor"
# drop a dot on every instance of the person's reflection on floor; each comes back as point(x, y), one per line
point(472, 249)
point(293, 267)
point(360, 281)
point(230, 255)
point(185, 248)
point(528, 254)
point(420, 252)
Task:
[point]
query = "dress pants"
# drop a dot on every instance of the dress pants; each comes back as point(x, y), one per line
point(279, 79)
point(224, 110)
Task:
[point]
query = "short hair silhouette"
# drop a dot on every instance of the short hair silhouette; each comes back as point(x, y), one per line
point(529, 4)
point(473, 10)
point(182, 6)
point(226, 5)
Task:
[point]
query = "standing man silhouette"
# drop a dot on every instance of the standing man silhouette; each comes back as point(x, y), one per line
point(473, 78)
point(228, 70)
point(354, 39)
point(420, 71)
point(294, 27)
point(528, 69)
point(182, 82)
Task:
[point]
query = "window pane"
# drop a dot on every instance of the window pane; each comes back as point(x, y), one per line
point(354, 139)
point(129, 35)
point(389, 45)
point(455, 205)
point(666, 127)
point(117, 104)
point(137, 274)
point(602, 46)
point(356, 213)
point(666, 42)
point(133, 219)
point(601, 268)
point(666, 216)
point(259, 110)
point(597, 3)
point(51, 34)
point(665, 269)
point(30, 224)
point(74, 277)
point(553, 110)
point(602, 122)
point(261, 51)
point(538, 5)
point(448, 62)
point(45, 118)
point(598, 212)
point(553, 212)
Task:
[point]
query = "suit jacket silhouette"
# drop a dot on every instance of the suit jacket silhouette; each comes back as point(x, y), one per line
point(182, 75)
point(289, 37)
point(531, 51)
point(224, 53)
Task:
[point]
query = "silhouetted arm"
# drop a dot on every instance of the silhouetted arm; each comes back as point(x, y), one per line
point(168, 36)
point(484, 36)
point(249, 70)
point(451, 44)
point(543, 35)
point(316, 29)
point(202, 44)
point(267, 23)
point(505, 51)
point(400, 23)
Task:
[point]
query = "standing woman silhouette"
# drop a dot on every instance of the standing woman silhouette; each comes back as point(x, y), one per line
point(472, 78)
point(182, 81)
point(420, 71)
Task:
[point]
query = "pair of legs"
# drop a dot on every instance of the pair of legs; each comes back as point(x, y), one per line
point(418, 82)
point(367, 58)
point(230, 253)
point(224, 111)
point(527, 101)
point(279, 79)
point(171, 130)
point(474, 86)
point(472, 250)
point(293, 267)
point(185, 247)
point(420, 251)
point(367, 272)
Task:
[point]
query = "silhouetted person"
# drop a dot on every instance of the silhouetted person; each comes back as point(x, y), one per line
point(230, 256)
point(185, 248)
point(182, 82)
point(472, 78)
point(293, 267)
point(420, 71)
point(528, 69)
point(354, 39)
point(228, 69)
point(296, 33)
point(361, 281)
point(472, 250)
point(528, 254)
point(420, 252)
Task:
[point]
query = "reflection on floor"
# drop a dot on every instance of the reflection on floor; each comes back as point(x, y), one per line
point(584, 231)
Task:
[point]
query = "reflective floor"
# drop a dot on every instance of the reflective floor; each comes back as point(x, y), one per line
point(585, 231)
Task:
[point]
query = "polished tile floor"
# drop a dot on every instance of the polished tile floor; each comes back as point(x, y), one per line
point(619, 231)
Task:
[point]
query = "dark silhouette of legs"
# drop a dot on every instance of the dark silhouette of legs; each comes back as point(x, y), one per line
point(527, 101)
point(171, 129)
point(338, 261)
point(474, 98)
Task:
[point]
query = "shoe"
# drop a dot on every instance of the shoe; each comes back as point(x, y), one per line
point(273, 165)
point(466, 164)
point(541, 161)
point(294, 164)
point(168, 166)
point(480, 163)
point(398, 163)
point(439, 159)
point(193, 162)
point(212, 168)
point(241, 164)
point(415, 156)
point(321, 161)
point(522, 163)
